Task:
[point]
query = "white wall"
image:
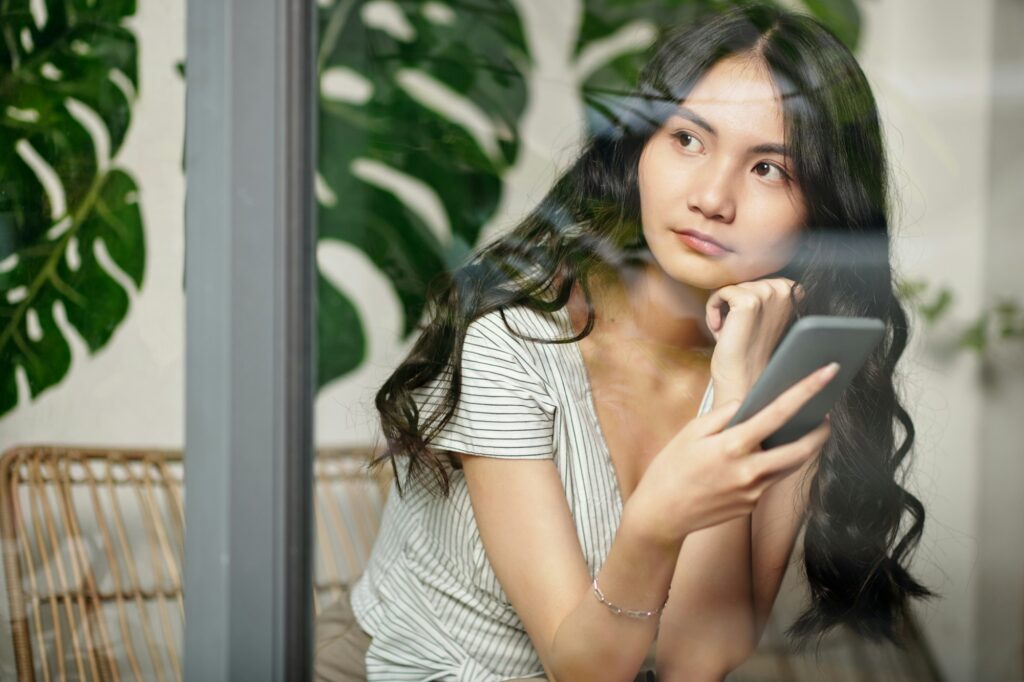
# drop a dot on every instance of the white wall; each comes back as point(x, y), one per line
point(931, 64)
point(1000, 576)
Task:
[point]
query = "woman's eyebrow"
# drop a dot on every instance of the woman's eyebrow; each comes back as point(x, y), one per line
point(691, 115)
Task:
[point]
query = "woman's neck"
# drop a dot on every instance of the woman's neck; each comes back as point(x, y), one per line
point(641, 305)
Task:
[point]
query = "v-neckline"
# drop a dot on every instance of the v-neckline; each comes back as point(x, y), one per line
point(591, 407)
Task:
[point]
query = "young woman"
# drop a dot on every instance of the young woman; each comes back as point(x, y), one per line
point(569, 502)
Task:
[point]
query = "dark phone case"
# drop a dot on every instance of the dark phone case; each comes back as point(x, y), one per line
point(812, 342)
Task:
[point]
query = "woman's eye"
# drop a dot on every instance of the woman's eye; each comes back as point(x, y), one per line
point(686, 139)
point(780, 174)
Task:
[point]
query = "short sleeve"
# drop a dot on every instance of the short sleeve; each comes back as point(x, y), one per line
point(504, 409)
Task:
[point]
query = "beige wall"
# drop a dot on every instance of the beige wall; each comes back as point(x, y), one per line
point(999, 607)
point(930, 63)
point(936, 70)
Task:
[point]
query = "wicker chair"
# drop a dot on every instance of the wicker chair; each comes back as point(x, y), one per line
point(93, 541)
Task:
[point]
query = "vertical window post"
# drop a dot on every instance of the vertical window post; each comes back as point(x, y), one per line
point(250, 353)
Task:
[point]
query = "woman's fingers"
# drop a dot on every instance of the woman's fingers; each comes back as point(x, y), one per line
point(713, 421)
point(715, 308)
point(754, 294)
point(770, 418)
point(798, 291)
point(783, 460)
point(729, 299)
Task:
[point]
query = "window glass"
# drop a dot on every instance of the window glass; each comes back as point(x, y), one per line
point(91, 338)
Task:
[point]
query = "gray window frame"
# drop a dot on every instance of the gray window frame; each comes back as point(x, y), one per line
point(250, 339)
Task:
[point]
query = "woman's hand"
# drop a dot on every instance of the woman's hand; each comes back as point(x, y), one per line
point(747, 321)
point(706, 475)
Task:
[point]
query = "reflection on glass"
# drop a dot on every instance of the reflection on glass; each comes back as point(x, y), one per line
point(558, 426)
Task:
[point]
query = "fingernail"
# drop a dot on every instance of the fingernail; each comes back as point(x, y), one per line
point(829, 370)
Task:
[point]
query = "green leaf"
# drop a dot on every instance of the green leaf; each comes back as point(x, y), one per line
point(477, 53)
point(341, 343)
point(81, 60)
point(602, 18)
point(607, 85)
point(937, 308)
point(841, 16)
point(910, 289)
point(976, 336)
point(115, 220)
point(1009, 318)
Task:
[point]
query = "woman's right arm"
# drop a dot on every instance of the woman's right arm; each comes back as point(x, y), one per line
point(702, 477)
point(531, 542)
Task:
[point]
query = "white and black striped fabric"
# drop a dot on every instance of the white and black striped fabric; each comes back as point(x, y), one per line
point(429, 597)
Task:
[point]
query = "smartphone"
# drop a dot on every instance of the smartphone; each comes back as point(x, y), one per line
point(812, 342)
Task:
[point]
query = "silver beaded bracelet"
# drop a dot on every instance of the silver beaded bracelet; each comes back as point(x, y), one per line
point(619, 611)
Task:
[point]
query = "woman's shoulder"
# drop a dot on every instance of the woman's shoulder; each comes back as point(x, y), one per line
point(514, 341)
point(518, 330)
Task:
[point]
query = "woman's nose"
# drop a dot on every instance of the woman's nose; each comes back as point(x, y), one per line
point(711, 193)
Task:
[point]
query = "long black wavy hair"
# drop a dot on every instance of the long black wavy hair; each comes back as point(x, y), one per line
point(855, 553)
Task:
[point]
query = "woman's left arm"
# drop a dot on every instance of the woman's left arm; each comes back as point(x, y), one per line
point(725, 583)
point(728, 576)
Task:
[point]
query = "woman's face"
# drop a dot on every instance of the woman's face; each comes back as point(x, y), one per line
point(717, 167)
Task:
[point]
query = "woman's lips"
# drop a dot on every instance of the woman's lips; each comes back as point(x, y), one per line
point(701, 243)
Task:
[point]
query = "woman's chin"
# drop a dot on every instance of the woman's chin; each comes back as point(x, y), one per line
point(701, 273)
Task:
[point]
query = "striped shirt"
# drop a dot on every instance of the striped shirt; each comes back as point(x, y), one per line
point(429, 597)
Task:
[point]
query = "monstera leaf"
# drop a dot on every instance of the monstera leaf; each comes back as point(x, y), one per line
point(378, 55)
point(604, 88)
point(398, 66)
point(67, 80)
point(841, 16)
point(414, 93)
